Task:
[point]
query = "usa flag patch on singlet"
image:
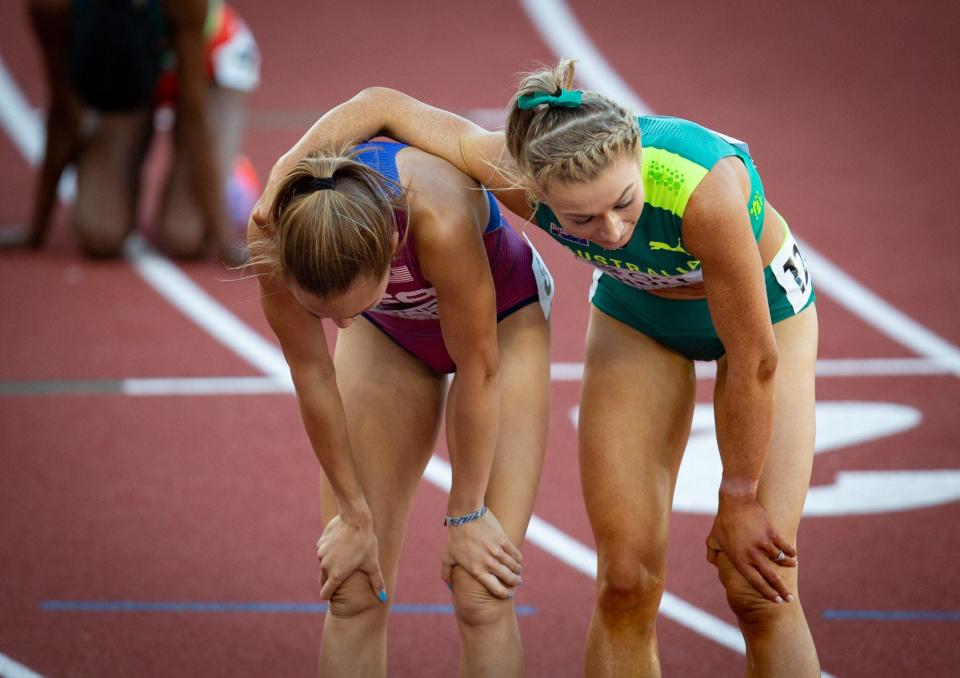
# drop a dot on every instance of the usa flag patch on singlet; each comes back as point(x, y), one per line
point(400, 274)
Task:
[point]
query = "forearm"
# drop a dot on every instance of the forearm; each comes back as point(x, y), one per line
point(323, 418)
point(382, 111)
point(61, 147)
point(744, 427)
point(357, 119)
point(51, 24)
point(474, 404)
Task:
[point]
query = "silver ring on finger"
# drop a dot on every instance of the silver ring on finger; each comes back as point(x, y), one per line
point(781, 556)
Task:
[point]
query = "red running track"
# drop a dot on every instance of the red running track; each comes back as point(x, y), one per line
point(107, 497)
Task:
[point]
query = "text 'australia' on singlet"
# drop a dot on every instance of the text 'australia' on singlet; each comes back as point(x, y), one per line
point(676, 155)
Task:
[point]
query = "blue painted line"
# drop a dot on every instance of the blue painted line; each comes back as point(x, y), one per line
point(200, 606)
point(898, 615)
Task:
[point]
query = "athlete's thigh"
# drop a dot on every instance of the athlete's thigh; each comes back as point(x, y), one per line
point(786, 471)
point(636, 408)
point(108, 173)
point(524, 343)
point(393, 406)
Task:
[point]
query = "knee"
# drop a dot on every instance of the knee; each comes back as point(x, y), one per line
point(183, 243)
point(100, 241)
point(474, 605)
point(628, 586)
point(354, 598)
point(752, 608)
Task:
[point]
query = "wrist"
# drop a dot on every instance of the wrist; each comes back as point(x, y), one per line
point(461, 503)
point(738, 488)
point(356, 514)
point(463, 519)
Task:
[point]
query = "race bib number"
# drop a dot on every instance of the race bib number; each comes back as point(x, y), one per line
point(790, 270)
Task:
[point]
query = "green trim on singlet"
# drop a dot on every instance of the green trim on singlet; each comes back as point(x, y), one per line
point(669, 179)
point(676, 155)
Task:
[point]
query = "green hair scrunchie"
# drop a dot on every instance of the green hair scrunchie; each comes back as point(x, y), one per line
point(564, 98)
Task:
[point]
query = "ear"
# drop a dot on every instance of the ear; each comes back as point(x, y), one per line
point(394, 243)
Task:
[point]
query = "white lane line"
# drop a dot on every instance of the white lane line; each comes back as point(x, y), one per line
point(267, 385)
point(894, 323)
point(827, 367)
point(560, 29)
point(184, 294)
point(25, 128)
point(203, 386)
point(12, 669)
point(20, 121)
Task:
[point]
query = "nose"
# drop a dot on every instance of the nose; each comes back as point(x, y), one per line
point(611, 231)
point(343, 323)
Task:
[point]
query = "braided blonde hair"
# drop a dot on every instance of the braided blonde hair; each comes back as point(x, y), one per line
point(568, 145)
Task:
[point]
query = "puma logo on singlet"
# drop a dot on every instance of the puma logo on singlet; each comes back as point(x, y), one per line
point(654, 245)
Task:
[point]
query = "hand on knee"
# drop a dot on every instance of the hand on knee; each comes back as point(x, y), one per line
point(473, 602)
point(751, 606)
point(355, 597)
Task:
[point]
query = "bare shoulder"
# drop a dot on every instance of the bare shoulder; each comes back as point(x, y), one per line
point(441, 197)
point(716, 216)
point(726, 184)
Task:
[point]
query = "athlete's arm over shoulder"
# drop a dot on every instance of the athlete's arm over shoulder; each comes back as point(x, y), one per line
point(475, 151)
point(376, 111)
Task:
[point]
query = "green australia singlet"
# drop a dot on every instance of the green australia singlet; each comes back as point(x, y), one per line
point(676, 156)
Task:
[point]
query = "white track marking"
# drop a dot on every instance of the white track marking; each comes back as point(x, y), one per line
point(19, 120)
point(897, 325)
point(25, 128)
point(177, 288)
point(827, 367)
point(12, 669)
point(206, 386)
